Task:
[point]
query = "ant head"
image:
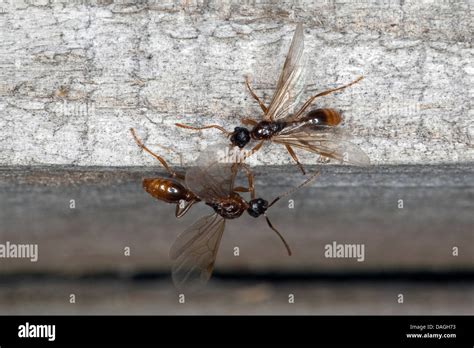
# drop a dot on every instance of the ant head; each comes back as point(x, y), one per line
point(257, 207)
point(240, 137)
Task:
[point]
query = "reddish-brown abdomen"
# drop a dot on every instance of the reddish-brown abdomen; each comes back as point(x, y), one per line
point(323, 117)
point(167, 190)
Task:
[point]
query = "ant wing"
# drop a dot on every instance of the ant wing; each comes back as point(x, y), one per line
point(213, 175)
point(330, 142)
point(290, 84)
point(194, 252)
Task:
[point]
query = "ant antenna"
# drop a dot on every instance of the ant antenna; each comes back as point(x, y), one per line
point(203, 127)
point(279, 235)
point(289, 192)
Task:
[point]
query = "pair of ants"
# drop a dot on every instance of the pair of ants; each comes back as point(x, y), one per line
point(213, 180)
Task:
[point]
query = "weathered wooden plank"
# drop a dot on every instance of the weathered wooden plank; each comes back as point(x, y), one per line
point(345, 205)
point(233, 298)
point(75, 77)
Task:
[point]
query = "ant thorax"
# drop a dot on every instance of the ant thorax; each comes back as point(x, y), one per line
point(230, 208)
point(265, 130)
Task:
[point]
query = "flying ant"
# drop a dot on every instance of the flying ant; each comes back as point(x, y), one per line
point(315, 131)
point(213, 182)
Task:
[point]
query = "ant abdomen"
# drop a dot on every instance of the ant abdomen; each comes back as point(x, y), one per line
point(166, 189)
point(323, 117)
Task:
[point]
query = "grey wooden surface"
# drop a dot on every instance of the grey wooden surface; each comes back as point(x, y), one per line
point(75, 76)
point(346, 205)
point(119, 296)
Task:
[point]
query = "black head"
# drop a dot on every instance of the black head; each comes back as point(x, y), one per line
point(240, 137)
point(257, 207)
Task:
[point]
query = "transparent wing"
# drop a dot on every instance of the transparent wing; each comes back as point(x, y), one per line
point(290, 84)
point(213, 175)
point(330, 142)
point(194, 252)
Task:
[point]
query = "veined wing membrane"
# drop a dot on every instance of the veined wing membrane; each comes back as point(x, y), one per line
point(194, 251)
point(330, 142)
point(291, 81)
point(213, 175)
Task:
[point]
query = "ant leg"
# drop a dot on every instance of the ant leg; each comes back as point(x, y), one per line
point(262, 106)
point(251, 187)
point(162, 161)
point(293, 155)
point(255, 149)
point(181, 211)
point(204, 127)
point(241, 189)
point(248, 122)
point(311, 99)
